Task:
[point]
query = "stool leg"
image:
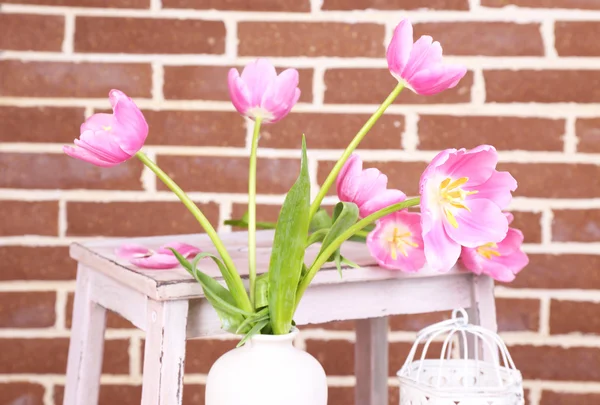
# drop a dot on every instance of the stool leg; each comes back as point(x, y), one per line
point(164, 353)
point(86, 347)
point(371, 361)
point(482, 312)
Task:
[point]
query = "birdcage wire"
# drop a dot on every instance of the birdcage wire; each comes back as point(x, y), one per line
point(484, 374)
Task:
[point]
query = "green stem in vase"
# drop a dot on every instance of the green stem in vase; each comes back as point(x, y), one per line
point(335, 245)
point(351, 147)
point(252, 211)
point(239, 291)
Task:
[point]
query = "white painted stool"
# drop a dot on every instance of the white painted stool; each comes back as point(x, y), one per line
point(169, 306)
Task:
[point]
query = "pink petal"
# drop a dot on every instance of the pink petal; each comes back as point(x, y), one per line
point(281, 94)
point(183, 249)
point(372, 182)
point(509, 217)
point(132, 250)
point(130, 127)
point(484, 223)
point(239, 92)
point(87, 156)
point(437, 78)
point(156, 261)
point(471, 260)
point(497, 188)
point(348, 179)
point(380, 201)
point(103, 145)
point(257, 76)
point(97, 122)
point(425, 54)
point(512, 242)
point(515, 262)
point(398, 52)
point(477, 164)
point(441, 252)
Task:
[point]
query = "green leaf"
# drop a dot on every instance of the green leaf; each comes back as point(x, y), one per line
point(289, 244)
point(219, 297)
point(320, 220)
point(256, 329)
point(345, 215)
point(261, 298)
point(257, 317)
point(317, 236)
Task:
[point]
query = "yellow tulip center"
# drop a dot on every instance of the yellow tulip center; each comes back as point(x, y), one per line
point(107, 128)
point(399, 241)
point(488, 250)
point(453, 196)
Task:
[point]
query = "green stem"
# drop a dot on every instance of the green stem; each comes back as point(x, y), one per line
point(252, 211)
point(351, 147)
point(239, 291)
point(337, 242)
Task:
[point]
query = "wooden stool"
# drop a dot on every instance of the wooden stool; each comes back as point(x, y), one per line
point(169, 306)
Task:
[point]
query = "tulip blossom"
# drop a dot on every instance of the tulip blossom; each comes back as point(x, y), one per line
point(502, 261)
point(109, 139)
point(420, 66)
point(260, 93)
point(462, 198)
point(365, 188)
point(396, 242)
point(163, 258)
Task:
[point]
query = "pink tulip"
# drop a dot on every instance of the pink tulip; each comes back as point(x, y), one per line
point(365, 188)
point(261, 93)
point(502, 261)
point(109, 139)
point(396, 242)
point(162, 258)
point(420, 65)
point(462, 198)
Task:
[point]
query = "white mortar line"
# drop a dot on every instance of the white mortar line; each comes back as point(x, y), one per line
point(318, 87)
point(410, 137)
point(546, 225)
point(48, 398)
point(225, 213)
point(158, 74)
point(535, 395)
point(231, 39)
point(547, 32)
point(69, 38)
point(148, 178)
point(313, 169)
point(478, 90)
point(545, 316)
point(60, 309)
point(570, 136)
point(135, 357)
point(155, 6)
point(315, 6)
point(565, 294)
point(62, 218)
point(87, 112)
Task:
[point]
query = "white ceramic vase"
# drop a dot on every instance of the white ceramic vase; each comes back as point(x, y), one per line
point(267, 370)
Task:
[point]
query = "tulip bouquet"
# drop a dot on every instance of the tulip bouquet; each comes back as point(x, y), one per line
point(462, 198)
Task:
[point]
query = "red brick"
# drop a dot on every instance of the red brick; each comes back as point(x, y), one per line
point(485, 38)
point(264, 213)
point(132, 218)
point(310, 39)
point(574, 317)
point(66, 79)
point(542, 179)
point(438, 132)
point(337, 356)
point(570, 271)
point(192, 394)
point(23, 263)
point(240, 5)
point(196, 128)
point(332, 131)
point(416, 322)
point(529, 223)
point(579, 4)
point(22, 393)
point(401, 175)
point(86, 3)
point(575, 38)
point(40, 124)
point(59, 171)
point(50, 356)
point(202, 353)
point(566, 398)
point(148, 35)
point(334, 325)
point(557, 363)
point(516, 315)
point(29, 32)
point(27, 309)
point(109, 394)
point(576, 226)
point(541, 86)
point(210, 83)
point(229, 174)
point(29, 218)
point(588, 135)
point(395, 4)
point(113, 320)
point(372, 86)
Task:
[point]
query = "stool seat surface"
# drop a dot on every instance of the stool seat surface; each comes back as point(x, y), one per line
point(179, 284)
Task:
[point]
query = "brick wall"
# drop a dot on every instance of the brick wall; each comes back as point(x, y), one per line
point(532, 90)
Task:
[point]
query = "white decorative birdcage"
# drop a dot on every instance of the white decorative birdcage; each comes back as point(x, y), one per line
point(483, 373)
